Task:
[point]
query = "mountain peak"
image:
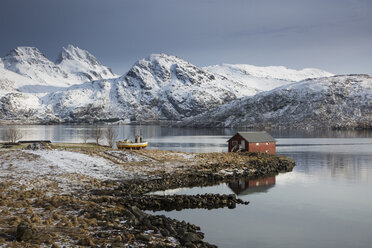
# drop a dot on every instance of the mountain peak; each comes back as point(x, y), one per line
point(75, 66)
point(24, 56)
point(24, 53)
point(24, 50)
point(160, 56)
point(83, 64)
point(166, 59)
point(160, 63)
point(75, 53)
point(30, 62)
point(159, 68)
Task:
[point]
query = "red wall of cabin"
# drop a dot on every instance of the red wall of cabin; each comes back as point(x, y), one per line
point(262, 147)
point(252, 147)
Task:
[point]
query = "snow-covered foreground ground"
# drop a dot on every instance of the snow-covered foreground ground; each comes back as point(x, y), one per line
point(72, 169)
point(67, 168)
point(53, 163)
point(52, 190)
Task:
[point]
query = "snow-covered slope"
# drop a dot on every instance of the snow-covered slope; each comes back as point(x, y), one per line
point(84, 65)
point(338, 101)
point(24, 107)
point(11, 81)
point(265, 78)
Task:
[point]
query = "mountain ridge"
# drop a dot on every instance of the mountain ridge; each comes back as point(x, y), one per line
point(165, 87)
point(270, 77)
point(342, 101)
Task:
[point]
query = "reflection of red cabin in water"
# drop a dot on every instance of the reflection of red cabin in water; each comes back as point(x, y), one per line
point(244, 187)
point(252, 142)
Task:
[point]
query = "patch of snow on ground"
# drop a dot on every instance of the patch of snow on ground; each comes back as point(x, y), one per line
point(126, 156)
point(31, 165)
point(78, 163)
point(187, 156)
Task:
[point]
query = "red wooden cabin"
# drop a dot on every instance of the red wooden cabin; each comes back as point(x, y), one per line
point(252, 142)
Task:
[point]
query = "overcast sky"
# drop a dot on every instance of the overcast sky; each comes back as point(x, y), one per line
point(332, 35)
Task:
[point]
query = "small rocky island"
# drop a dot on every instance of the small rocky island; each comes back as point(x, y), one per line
point(86, 195)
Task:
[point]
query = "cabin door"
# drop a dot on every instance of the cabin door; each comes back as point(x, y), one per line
point(243, 145)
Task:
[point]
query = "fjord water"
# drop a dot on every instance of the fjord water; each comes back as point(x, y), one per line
point(324, 202)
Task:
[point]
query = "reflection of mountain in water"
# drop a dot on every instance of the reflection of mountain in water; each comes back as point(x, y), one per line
point(245, 187)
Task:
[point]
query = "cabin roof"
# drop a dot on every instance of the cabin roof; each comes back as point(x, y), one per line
point(256, 137)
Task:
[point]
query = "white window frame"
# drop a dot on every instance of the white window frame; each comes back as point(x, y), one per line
point(257, 144)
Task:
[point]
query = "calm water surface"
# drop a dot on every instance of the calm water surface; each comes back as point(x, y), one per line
point(324, 202)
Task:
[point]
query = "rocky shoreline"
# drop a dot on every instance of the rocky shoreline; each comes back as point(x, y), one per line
point(111, 213)
point(134, 193)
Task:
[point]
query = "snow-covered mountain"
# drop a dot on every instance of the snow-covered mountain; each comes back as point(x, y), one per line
point(36, 73)
point(160, 86)
point(265, 78)
point(82, 64)
point(31, 63)
point(338, 102)
point(78, 88)
point(157, 87)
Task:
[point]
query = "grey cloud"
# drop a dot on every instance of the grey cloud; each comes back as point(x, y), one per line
point(292, 33)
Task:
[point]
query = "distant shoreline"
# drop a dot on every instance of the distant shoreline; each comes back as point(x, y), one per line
point(182, 125)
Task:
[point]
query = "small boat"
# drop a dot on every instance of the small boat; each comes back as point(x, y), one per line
point(128, 144)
